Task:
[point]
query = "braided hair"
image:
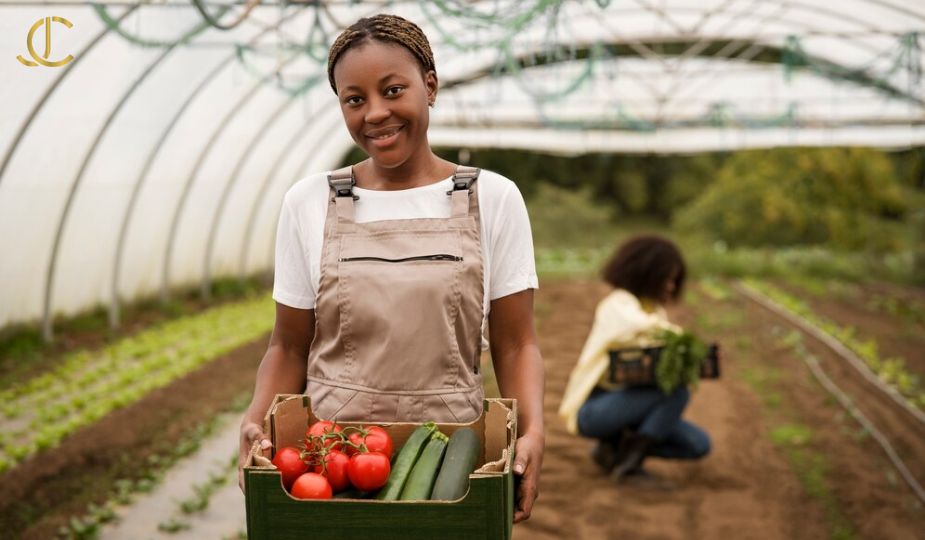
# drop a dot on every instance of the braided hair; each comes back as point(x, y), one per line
point(387, 28)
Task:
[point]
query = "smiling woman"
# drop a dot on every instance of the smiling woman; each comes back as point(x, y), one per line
point(389, 271)
point(385, 109)
point(386, 113)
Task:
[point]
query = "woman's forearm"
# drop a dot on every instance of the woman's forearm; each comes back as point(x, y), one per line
point(521, 376)
point(280, 372)
point(516, 358)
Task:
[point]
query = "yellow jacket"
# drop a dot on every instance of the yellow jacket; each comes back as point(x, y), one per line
point(620, 321)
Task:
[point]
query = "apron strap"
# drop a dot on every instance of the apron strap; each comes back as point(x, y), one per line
point(342, 182)
point(462, 184)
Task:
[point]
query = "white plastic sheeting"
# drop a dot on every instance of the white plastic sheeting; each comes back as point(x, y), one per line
point(158, 158)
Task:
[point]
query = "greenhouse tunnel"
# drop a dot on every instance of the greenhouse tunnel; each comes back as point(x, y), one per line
point(157, 157)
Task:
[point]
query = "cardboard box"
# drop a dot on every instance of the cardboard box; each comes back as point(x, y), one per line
point(486, 511)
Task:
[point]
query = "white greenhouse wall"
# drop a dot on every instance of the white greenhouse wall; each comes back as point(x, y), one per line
point(235, 138)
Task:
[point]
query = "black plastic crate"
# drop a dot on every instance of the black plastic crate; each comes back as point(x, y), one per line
point(636, 366)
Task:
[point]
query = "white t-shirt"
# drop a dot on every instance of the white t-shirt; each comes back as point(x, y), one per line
point(507, 243)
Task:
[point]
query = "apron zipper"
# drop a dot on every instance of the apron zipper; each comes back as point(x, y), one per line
point(439, 257)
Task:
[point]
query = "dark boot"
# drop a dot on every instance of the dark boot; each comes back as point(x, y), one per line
point(604, 454)
point(630, 455)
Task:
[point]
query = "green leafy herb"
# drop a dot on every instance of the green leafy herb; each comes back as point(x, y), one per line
point(680, 360)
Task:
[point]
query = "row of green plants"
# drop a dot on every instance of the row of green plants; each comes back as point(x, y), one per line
point(905, 307)
point(82, 368)
point(814, 262)
point(148, 474)
point(717, 259)
point(40, 412)
point(24, 354)
point(891, 371)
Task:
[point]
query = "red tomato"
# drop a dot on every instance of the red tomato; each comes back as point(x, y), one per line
point(368, 471)
point(377, 440)
point(356, 438)
point(289, 462)
point(322, 427)
point(335, 470)
point(311, 486)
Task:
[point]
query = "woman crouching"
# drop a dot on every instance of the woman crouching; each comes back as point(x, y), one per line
point(632, 423)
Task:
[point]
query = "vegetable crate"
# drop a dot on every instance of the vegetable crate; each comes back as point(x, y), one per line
point(636, 366)
point(485, 511)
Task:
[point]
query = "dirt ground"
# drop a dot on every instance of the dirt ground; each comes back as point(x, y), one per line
point(746, 488)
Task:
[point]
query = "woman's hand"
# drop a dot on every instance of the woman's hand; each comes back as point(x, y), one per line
point(528, 459)
point(250, 433)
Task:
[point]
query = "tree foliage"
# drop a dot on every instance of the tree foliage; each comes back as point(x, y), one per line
point(841, 198)
point(847, 197)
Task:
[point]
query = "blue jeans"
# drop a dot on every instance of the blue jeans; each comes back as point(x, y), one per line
point(648, 411)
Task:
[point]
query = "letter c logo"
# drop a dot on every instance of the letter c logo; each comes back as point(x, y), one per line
point(43, 60)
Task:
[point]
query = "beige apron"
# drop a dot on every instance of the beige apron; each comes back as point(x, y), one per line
point(399, 312)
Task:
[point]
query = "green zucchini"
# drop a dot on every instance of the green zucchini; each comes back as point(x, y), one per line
point(404, 462)
point(462, 453)
point(424, 473)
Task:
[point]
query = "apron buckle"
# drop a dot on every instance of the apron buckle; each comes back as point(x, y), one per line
point(342, 182)
point(463, 178)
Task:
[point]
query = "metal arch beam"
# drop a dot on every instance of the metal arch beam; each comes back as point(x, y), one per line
point(165, 294)
point(488, 69)
point(54, 86)
point(213, 22)
point(206, 283)
point(47, 323)
point(226, 192)
point(733, 50)
point(264, 189)
point(667, 97)
point(663, 99)
point(795, 4)
point(190, 180)
point(693, 140)
point(745, 55)
point(899, 9)
point(115, 301)
point(589, 118)
point(66, 212)
point(459, 81)
point(213, 228)
point(298, 174)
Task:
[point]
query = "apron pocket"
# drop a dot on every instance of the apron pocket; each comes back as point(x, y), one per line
point(399, 300)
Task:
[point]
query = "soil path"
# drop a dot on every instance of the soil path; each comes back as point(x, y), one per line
point(743, 489)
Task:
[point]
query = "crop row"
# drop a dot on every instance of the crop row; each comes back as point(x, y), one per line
point(148, 474)
point(891, 371)
point(40, 412)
